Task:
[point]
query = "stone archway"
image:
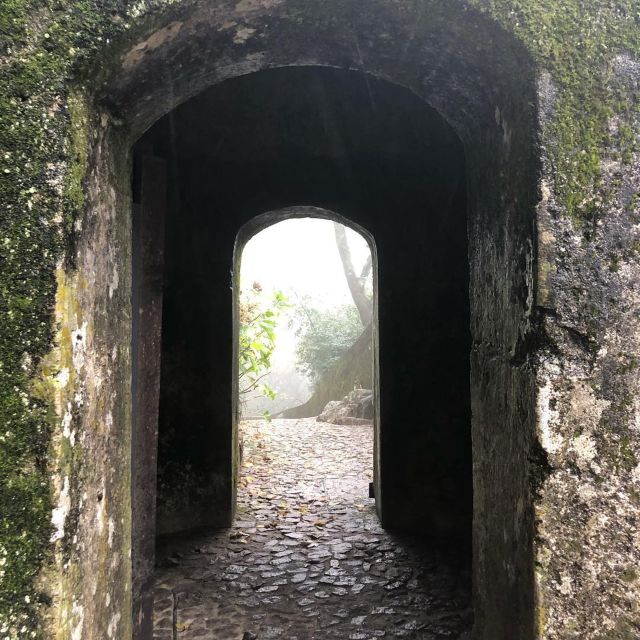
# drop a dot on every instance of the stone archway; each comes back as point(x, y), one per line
point(481, 81)
point(351, 143)
point(262, 222)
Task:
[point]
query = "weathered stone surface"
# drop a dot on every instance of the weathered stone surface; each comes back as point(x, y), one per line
point(355, 408)
point(92, 453)
point(588, 531)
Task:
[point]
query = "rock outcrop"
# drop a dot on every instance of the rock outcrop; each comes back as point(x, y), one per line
point(355, 408)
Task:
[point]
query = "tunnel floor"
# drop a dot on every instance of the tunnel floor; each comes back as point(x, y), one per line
point(306, 557)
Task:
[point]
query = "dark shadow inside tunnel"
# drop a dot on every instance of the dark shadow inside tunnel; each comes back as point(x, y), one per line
point(316, 137)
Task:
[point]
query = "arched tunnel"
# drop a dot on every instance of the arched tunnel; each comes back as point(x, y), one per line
point(376, 154)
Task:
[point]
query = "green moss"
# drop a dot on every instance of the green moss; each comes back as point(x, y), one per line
point(626, 456)
point(571, 625)
point(614, 263)
point(628, 364)
point(541, 614)
point(624, 630)
point(575, 41)
point(629, 574)
point(627, 139)
point(34, 126)
point(634, 207)
point(26, 290)
point(13, 22)
point(80, 118)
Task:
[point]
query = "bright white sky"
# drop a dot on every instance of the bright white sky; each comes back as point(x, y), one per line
point(300, 256)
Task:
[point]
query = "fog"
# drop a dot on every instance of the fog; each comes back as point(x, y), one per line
point(298, 257)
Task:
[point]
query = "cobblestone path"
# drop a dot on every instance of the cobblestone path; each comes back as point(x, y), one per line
point(306, 558)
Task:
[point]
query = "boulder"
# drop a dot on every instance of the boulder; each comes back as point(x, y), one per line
point(354, 409)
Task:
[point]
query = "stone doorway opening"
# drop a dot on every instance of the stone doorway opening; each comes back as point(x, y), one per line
point(306, 335)
point(306, 296)
point(314, 274)
point(337, 141)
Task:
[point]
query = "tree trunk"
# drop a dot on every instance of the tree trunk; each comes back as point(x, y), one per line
point(356, 284)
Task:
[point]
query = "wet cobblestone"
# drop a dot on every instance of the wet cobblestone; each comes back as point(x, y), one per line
point(306, 558)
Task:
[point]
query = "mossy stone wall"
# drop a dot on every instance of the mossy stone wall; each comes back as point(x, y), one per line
point(55, 58)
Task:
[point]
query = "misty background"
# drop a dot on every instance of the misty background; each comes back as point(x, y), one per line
point(300, 258)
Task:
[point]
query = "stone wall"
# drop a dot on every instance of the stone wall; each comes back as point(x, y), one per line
point(80, 83)
point(588, 546)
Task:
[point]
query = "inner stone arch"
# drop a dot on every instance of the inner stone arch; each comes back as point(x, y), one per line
point(271, 218)
point(370, 336)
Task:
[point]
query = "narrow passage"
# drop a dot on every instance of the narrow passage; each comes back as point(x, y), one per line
point(306, 558)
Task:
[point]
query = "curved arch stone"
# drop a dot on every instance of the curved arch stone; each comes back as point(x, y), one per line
point(459, 61)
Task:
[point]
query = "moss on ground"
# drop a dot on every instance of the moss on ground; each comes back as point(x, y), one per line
point(45, 46)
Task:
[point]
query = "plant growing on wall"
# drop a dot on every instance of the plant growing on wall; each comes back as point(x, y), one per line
point(257, 341)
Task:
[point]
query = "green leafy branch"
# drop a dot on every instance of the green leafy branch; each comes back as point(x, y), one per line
point(257, 340)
